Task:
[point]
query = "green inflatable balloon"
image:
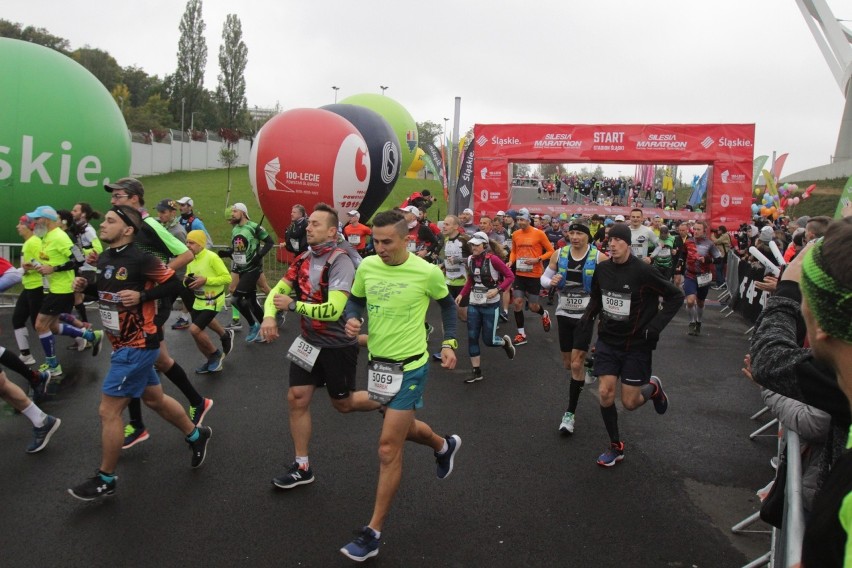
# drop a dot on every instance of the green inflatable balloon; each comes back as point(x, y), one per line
point(61, 134)
point(400, 120)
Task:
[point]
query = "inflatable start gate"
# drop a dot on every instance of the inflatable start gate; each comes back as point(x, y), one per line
point(728, 148)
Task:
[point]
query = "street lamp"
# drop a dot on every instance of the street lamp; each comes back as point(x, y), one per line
point(335, 93)
point(191, 130)
point(182, 131)
point(383, 88)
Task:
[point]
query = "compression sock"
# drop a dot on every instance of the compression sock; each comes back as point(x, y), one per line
point(48, 343)
point(610, 418)
point(81, 309)
point(22, 337)
point(177, 375)
point(574, 390)
point(519, 320)
point(699, 313)
point(135, 409)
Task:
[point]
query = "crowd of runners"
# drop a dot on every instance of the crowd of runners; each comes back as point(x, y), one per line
point(613, 284)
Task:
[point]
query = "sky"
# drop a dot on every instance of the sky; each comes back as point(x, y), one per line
point(541, 61)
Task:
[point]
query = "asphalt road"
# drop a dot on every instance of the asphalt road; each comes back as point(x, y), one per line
point(521, 494)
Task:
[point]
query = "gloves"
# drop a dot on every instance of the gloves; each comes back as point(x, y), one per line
point(652, 335)
point(225, 253)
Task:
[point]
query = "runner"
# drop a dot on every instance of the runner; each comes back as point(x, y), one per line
point(28, 304)
point(662, 258)
point(129, 282)
point(570, 271)
point(700, 254)
point(323, 354)
point(397, 286)
point(357, 234)
point(626, 293)
point(530, 247)
point(487, 278)
point(644, 237)
point(44, 426)
point(454, 255)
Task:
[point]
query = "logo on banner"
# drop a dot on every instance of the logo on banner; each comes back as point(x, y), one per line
point(661, 142)
point(485, 173)
point(510, 141)
point(482, 140)
point(608, 141)
point(411, 140)
point(707, 142)
point(558, 140)
point(734, 142)
point(728, 177)
point(727, 200)
point(464, 190)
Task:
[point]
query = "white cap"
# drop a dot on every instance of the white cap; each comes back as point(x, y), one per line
point(619, 217)
point(501, 213)
point(468, 211)
point(478, 238)
point(240, 207)
point(185, 201)
point(354, 213)
point(413, 210)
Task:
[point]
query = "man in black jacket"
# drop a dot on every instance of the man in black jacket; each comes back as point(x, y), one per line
point(296, 237)
point(626, 292)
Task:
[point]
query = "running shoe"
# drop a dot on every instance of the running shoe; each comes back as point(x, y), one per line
point(228, 341)
point(181, 323)
point(235, 325)
point(567, 424)
point(504, 315)
point(545, 320)
point(41, 436)
point(97, 343)
point(199, 447)
point(79, 344)
point(508, 347)
point(294, 477)
point(133, 436)
point(520, 339)
point(27, 359)
point(661, 401)
point(214, 364)
point(197, 413)
point(613, 455)
point(365, 546)
point(203, 369)
point(476, 376)
point(697, 328)
point(254, 331)
point(54, 371)
point(691, 330)
point(39, 385)
point(94, 488)
point(445, 460)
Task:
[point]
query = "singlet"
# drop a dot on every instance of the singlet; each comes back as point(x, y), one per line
point(32, 279)
point(576, 281)
point(55, 251)
point(455, 266)
point(642, 238)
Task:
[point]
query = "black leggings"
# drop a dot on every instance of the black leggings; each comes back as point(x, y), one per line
point(27, 306)
point(245, 296)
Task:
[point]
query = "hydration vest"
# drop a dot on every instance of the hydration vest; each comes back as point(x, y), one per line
point(485, 275)
point(302, 280)
point(588, 266)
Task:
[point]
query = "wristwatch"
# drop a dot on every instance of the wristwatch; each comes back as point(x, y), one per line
point(450, 344)
point(292, 306)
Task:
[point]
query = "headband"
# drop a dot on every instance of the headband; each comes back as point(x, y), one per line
point(829, 300)
point(124, 217)
point(580, 227)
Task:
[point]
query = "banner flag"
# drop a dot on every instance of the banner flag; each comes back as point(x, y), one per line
point(776, 167)
point(700, 188)
point(845, 199)
point(435, 159)
point(430, 165)
point(759, 162)
point(464, 188)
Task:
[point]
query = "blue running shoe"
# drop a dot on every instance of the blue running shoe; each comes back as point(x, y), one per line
point(41, 436)
point(365, 546)
point(445, 460)
point(254, 330)
point(613, 455)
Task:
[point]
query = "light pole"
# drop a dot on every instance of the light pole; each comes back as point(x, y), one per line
point(191, 130)
point(182, 131)
point(335, 93)
point(383, 88)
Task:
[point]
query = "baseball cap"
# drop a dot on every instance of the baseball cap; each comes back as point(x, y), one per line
point(167, 204)
point(468, 210)
point(621, 232)
point(500, 213)
point(240, 207)
point(766, 234)
point(608, 222)
point(44, 212)
point(131, 185)
point(478, 238)
point(185, 201)
point(524, 211)
point(354, 213)
point(413, 210)
point(619, 217)
point(522, 215)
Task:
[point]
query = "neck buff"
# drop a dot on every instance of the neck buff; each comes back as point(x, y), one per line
point(323, 248)
point(829, 300)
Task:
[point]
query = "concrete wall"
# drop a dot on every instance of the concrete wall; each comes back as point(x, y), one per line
point(161, 158)
point(830, 171)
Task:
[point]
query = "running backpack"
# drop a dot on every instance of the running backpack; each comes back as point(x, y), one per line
point(323, 283)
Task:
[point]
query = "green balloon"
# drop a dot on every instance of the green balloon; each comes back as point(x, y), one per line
point(400, 120)
point(61, 134)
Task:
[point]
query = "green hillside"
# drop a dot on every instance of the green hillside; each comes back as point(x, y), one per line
point(208, 189)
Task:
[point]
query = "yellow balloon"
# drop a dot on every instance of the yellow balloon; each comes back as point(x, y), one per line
point(416, 165)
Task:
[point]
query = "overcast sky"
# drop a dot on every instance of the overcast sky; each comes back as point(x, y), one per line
point(542, 61)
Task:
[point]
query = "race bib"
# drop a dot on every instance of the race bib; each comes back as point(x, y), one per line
point(638, 250)
point(572, 304)
point(303, 354)
point(239, 258)
point(354, 239)
point(453, 267)
point(383, 381)
point(704, 279)
point(294, 244)
point(616, 305)
point(412, 246)
point(524, 265)
point(478, 296)
point(109, 318)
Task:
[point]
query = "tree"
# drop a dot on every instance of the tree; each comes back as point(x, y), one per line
point(192, 59)
point(100, 64)
point(428, 132)
point(140, 84)
point(121, 96)
point(233, 56)
point(153, 115)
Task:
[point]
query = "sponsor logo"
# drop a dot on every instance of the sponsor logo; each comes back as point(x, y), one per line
point(482, 140)
point(85, 173)
point(108, 271)
point(558, 140)
point(485, 173)
point(411, 140)
point(727, 200)
point(661, 142)
point(390, 162)
point(121, 273)
point(707, 142)
point(735, 142)
point(465, 192)
point(510, 141)
point(728, 177)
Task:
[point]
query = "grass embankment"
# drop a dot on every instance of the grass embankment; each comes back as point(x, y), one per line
point(208, 189)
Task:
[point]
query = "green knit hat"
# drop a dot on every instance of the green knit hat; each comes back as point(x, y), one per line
point(829, 300)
